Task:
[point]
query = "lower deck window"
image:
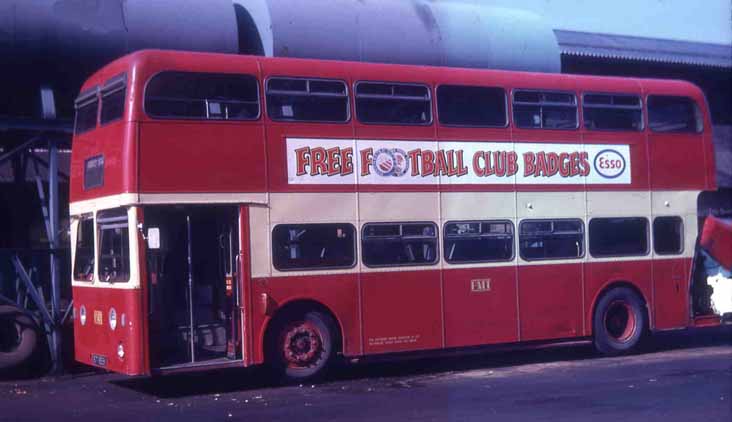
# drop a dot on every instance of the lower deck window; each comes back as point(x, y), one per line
point(551, 239)
point(619, 236)
point(84, 251)
point(399, 244)
point(114, 246)
point(478, 241)
point(313, 246)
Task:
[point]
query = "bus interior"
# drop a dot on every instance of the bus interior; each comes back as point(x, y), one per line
point(191, 265)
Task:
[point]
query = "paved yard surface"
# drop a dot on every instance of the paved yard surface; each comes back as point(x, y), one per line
point(683, 376)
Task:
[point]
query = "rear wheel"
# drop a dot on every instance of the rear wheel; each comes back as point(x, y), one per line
point(18, 337)
point(619, 321)
point(302, 346)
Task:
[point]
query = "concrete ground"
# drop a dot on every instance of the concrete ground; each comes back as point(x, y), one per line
point(680, 376)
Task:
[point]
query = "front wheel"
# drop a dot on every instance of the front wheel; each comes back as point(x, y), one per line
point(302, 346)
point(619, 321)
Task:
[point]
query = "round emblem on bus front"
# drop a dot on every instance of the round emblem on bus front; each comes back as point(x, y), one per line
point(609, 163)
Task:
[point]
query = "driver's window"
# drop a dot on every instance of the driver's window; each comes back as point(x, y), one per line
point(114, 246)
point(84, 253)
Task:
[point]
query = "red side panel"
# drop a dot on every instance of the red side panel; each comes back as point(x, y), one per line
point(480, 306)
point(716, 238)
point(599, 275)
point(116, 143)
point(401, 311)
point(550, 301)
point(339, 293)
point(671, 293)
point(96, 337)
point(202, 157)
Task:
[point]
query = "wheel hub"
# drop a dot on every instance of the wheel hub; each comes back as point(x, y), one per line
point(620, 321)
point(302, 345)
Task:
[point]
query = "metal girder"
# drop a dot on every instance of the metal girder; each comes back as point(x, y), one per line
point(20, 148)
point(31, 288)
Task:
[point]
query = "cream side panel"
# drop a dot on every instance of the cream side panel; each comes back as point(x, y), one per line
point(478, 205)
point(126, 199)
point(313, 207)
point(399, 206)
point(682, 204)
point(259, 242)
point(550, 204)
point(102, 203)
point(204, 198)
point(134, 248)
point(619, 204)
point(674, 202)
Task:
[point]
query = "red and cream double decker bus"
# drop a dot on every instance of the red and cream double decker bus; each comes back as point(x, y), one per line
point(235, 210)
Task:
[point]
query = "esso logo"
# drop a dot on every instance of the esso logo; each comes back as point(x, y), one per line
point(609, 163)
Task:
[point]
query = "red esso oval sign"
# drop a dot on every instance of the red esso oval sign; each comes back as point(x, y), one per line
point(609, 163)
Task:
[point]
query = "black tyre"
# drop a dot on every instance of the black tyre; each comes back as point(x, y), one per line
point(302, 346)
point(18, 337)
point(619, 321)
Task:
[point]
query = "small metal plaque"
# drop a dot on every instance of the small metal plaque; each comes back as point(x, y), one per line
point(98, 318)
point(99, 360)
point(480, 285)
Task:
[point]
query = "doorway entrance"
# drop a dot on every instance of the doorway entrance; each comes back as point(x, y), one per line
point(191, 265)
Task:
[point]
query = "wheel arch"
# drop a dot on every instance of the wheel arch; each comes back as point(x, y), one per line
point(615, 284)
point(293, 306)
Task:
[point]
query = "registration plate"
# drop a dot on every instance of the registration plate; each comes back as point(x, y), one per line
point(99, 360)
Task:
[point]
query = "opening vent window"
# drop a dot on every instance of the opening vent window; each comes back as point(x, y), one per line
point(478, 241)
point(612, 112)
point(551, 239)
point(86, 107)
point(668, 235)
point(307, 100)
point(622, 236)
point(212, 96)
point(84, 251)
point(544, 110)
point(399, 244)
point(313, 246)
point(114, 246)
point(393, 103)
point(113, 99)
point(477, 106)
point(674, 114)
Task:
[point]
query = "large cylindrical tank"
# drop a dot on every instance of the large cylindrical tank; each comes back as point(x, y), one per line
point(446, 33)
point(58, 43)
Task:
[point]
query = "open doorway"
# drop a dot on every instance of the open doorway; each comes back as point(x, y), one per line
point(191, 265)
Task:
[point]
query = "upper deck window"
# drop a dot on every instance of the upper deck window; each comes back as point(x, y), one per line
point(612, 112)
point(393, 103)
point(87, 106)
point(307, 100)
point(113, 99)
point(544, 110)
point(476, 106)
point(211, 96)
point(674, 114)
